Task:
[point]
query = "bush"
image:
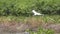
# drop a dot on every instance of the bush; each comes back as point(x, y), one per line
point(46, 7)
point(24, 8)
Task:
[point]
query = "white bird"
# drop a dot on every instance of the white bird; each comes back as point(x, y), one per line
point(36, 13)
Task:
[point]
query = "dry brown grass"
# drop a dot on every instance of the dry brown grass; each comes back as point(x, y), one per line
point(34, 22)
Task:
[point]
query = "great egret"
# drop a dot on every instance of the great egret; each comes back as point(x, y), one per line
point(36, 13)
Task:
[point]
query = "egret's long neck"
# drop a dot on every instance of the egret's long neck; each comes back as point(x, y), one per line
point(34, 11)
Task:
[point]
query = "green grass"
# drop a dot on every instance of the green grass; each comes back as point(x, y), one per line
point(46, 18)
point(42, 31)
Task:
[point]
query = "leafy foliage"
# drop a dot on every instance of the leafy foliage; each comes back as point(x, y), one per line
point(24, 7)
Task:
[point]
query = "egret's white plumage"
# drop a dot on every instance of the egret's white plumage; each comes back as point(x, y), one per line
point(36, 13)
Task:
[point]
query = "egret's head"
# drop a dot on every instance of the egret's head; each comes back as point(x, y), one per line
point(33, 10)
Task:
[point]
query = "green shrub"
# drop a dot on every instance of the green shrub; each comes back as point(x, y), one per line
point(24, 8)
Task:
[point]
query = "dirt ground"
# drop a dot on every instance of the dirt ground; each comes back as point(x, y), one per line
point(19, 28)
